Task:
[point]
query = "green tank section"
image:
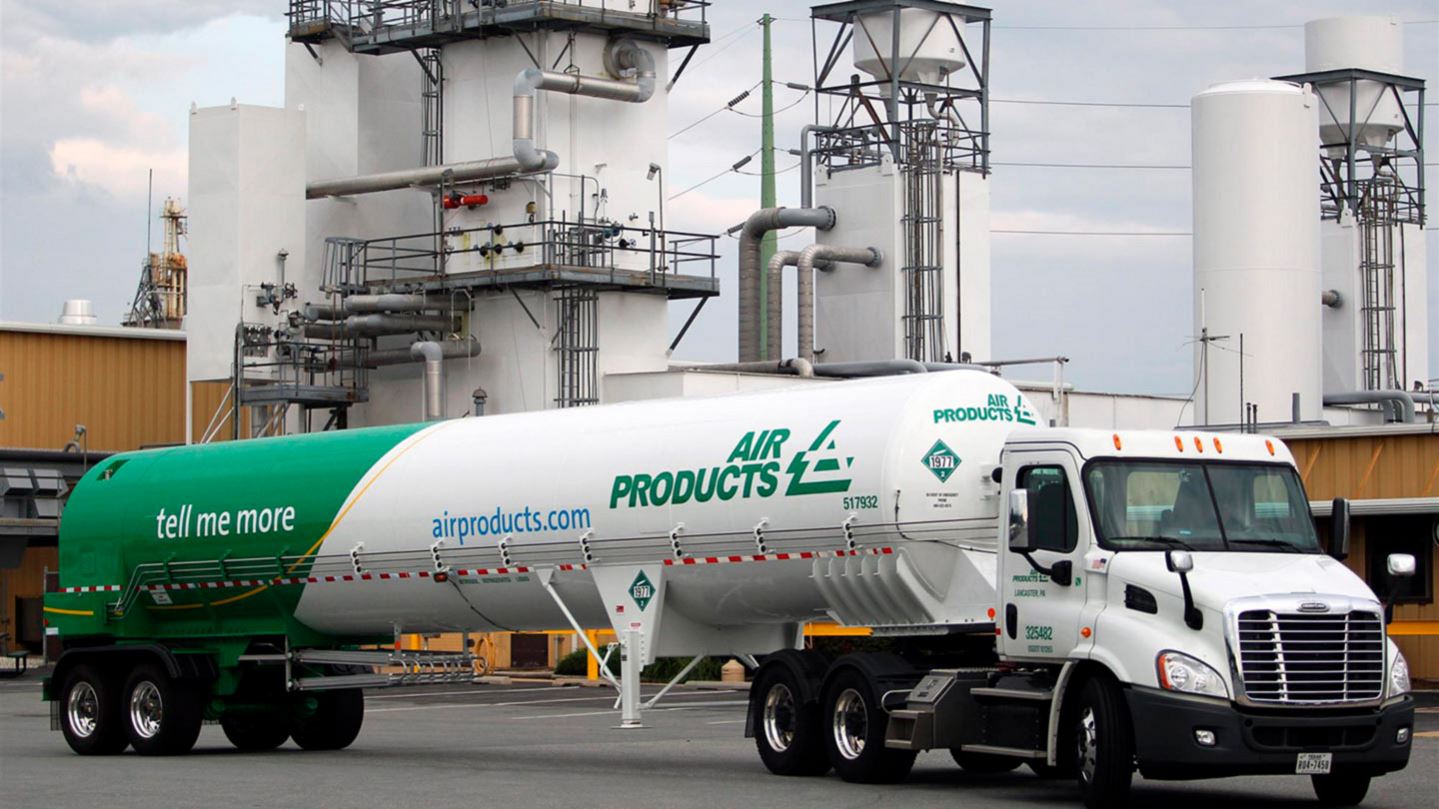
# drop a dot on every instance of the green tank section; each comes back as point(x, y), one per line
point(140, 527)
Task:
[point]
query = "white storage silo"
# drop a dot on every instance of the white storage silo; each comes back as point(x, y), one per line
point(1256, 251)
point(1363, 43)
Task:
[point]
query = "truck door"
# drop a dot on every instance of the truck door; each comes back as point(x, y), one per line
point(1041, 615)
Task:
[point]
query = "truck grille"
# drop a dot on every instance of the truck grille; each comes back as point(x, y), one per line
point(1289, 658)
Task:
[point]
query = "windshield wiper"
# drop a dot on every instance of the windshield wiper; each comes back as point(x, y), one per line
point(1171, 541)
point(1288, 547)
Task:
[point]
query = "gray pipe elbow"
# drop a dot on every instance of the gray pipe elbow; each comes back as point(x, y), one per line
point(624, 57)
point(427, 350)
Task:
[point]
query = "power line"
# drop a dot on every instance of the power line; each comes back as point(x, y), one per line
point(739, 164)
point(727, 106)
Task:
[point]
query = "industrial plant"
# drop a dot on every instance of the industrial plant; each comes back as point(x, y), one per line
point(456, 224)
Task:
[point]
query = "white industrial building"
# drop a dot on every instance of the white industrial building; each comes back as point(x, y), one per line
point(467, 199)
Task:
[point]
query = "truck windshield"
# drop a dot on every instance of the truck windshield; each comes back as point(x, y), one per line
point(1156, 505)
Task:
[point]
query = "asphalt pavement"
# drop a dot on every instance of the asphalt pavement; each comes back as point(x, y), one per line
point(527, 744)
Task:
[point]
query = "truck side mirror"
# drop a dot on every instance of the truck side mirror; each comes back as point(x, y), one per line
point(1339, 529)
point(1400, 565)
point(1021, 536)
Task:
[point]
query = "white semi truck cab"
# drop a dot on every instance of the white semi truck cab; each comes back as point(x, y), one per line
point(1164, 604)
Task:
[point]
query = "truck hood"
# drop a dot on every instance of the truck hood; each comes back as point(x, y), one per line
point(1219, 577)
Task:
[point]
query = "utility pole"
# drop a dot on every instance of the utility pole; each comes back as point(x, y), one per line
point(767, 286)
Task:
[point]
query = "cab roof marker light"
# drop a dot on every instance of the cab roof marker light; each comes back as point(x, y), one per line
point(1198, 445)
point(1117, 443)
point(1269, 445)
point(1218, 447)
point(1179, 443)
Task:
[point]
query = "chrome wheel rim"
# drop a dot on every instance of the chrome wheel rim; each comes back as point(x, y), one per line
point(1088, 745)
point(779, 718)
point(147, 710)
point(851, 724)
point(82, 710)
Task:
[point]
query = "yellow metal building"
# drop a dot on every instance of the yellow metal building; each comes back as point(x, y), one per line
point(125, 387)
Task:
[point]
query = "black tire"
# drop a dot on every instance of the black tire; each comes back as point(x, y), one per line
point(787, 730)
point(1340, 788)
point(984, 763)
point(255, 732)
point(335, 723)
point(162, 715)
point(1104, 745)
point(90, 715)
point(853, 725)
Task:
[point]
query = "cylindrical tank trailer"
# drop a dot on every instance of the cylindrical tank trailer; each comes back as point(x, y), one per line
point(344, 534)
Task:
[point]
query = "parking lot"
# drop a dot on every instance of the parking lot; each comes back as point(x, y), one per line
point(537, 744)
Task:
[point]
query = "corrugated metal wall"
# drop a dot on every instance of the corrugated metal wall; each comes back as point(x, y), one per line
point(127, 392)
point(1374, 467)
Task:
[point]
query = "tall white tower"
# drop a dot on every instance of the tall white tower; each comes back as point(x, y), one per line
point(903, 160)
point(1371, 166)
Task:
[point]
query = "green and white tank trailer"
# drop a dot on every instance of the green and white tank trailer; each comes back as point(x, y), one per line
point(1044, 587)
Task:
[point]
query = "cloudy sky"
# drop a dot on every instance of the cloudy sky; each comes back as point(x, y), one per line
point(93, 93)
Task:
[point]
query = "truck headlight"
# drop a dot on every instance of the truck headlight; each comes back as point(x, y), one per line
point(1398, 675)
point(1180, 672)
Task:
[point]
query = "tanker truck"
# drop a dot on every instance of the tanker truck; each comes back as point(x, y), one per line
point(1090, 603)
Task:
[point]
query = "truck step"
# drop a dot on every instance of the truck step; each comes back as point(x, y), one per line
point(1012, 694)
point(994, 750)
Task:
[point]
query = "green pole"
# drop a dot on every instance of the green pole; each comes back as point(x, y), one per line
point(766, 186)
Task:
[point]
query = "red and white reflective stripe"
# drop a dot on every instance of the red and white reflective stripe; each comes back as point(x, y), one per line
point(481, 571)
point(776, 557)
point(496, 571)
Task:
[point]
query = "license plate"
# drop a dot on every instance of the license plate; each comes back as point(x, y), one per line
point(1314, 763)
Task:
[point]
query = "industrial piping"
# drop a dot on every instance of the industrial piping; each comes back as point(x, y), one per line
point(622, 57)
point(816, 256)
point(774, 310)
point(375, 325)
point(755, 227)
point(450, 349)
point(1399, 401)
point(433, 355)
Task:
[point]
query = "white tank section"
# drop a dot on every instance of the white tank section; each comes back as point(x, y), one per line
point(898, 466)
point(1364, 43)
point(929, 47)
point(859, 311)
point(1256, 250)
point(247, 203)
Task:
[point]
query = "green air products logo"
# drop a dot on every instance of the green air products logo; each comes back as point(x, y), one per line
point(760, 465)
point(642, 591)
point(996, 408)
point(941, 460)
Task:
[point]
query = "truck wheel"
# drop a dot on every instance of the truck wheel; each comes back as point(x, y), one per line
point(255, 732)
point(163, 714)
point(334, 724)
point(90, 713)
point(1340, 788)
point(983, 763)
point(1105, 745)
point(788, 730)
point(855, 725)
